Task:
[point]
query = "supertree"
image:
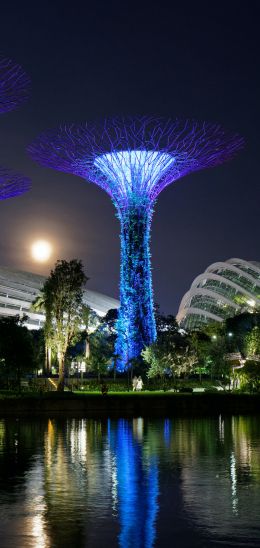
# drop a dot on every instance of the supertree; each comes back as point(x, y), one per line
point(12, 183)
point(14, 85)
point(14, 90)
point(133, 160)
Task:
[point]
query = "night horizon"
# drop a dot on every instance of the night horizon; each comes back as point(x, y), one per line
point(129, 275)
point(210, 217)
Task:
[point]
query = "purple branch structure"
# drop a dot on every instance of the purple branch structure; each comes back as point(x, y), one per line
point(14, 91)
point(12, 184)
point(14, 85)
point(133, 160)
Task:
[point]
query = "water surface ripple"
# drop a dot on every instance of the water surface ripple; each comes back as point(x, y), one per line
point(130, 482)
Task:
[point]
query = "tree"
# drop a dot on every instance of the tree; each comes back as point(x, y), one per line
point(38, 305)
point(62, 297)
point(241, 326)
point(251, 374)
point(16, 349)
point(154, 357)
point(252, 342)
point(101, 353)
point(39, 348)
point(171, 353)
point(107, 329)
point(91, 320)
point(201, 343)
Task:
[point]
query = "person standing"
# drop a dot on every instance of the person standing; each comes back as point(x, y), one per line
point(139, 384)
point(134, 383)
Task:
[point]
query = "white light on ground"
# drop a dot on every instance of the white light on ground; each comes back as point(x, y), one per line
point(41, 251)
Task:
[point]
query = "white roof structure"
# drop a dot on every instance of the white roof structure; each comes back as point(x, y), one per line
point(19, 289)
point(224, 290)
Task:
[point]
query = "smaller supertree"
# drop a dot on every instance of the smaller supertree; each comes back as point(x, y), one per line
point(14, 91)
point(12, 183)
point(14, 85)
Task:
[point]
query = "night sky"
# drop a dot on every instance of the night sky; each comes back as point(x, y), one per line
point(92, 60)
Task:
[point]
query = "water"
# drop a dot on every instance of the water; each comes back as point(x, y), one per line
point(130, 483)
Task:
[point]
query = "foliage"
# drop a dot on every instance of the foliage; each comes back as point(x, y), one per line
point(90, 320)
point(250, 375)
point(133, 160)
point(39, 348)
point(62, 297)
point(16, 350)
point(252, 342)
point(136, 323)
point(108, 322)
point(101, 352)
point(240, 326)
point(153, 356)
point(172, 354)
point(38, 305)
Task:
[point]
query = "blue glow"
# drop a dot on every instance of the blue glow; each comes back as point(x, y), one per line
point(134, 174)
point(133, 160)
point(138, 487)
point(134, 171)
point(167, 432)
point(136, 323)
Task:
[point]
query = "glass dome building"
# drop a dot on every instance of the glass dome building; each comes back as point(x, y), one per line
point(19, 289)
point(224, 290)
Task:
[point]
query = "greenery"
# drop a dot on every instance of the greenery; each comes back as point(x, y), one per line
point(17, 355)
point(62, 297)
point(250, 375)
point(76, 343)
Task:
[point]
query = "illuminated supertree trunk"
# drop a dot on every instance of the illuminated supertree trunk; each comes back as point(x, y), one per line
point(136, 323)
point(133, 160)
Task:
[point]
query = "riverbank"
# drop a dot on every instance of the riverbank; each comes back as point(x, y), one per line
point(147, 404)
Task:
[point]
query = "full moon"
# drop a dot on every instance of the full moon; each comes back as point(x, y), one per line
point(41, 251)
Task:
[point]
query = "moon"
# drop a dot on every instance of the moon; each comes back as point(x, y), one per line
point(41, 251)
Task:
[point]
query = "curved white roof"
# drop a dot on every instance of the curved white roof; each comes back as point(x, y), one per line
point(19, 289)
point(225, 289)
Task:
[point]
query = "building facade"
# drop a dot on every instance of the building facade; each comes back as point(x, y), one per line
point(224, 290)
point(19, 289)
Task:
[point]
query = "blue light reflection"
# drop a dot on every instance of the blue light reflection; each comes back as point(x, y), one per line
point(137, 487)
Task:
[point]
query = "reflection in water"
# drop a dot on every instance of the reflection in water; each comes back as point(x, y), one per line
point(130, 483)
point(221, 488)
point(35, 506)
point(137, 483)
point(233, 476)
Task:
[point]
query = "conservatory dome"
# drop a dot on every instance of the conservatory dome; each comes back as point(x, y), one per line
point(224, 290)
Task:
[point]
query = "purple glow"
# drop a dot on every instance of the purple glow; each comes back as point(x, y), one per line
point(133, 160)
point(79, 149)
point(134, 172)
point(14, 85)
point(12, 184)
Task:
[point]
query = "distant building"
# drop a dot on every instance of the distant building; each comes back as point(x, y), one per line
point(18, 290)
point(224, 290)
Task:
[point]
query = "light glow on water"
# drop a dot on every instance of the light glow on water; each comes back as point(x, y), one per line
point(130, 482)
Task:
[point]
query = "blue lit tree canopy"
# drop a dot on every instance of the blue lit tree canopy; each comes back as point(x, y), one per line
point(12, 184)
point(14, 85)
point(133, 160)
